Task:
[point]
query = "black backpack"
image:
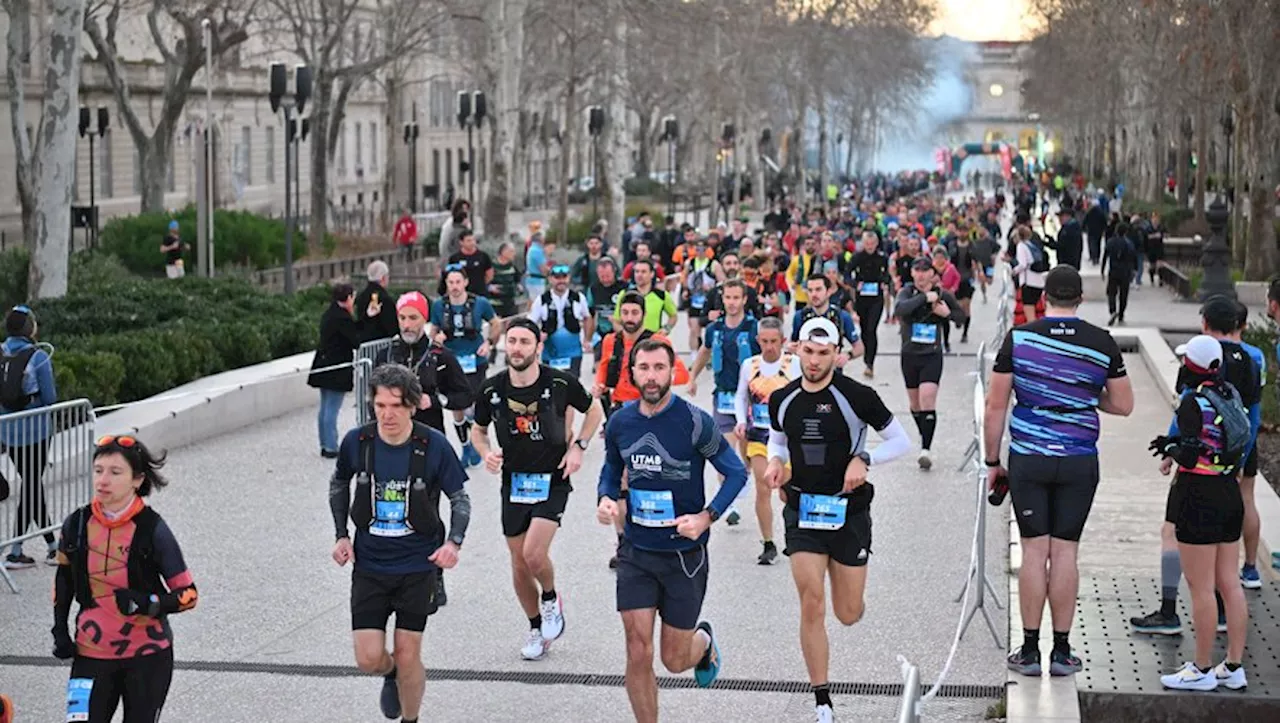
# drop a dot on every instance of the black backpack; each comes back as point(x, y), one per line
point(613, 371)
point(13, 369)
point(1039, 259)
point(1232, 420)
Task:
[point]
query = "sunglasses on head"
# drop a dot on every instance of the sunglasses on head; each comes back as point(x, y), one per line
point(121, 441)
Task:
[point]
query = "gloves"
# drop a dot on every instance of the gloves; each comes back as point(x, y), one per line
point(64, 648)
point(131, 602)
point(1162, 446)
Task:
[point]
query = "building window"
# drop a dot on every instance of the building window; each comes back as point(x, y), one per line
point(448, 167)
point(359, 149)
point(433, 103)
point(435, 166)
point(373, 147)
point(342, 150)
point(105, 186)
point(271, 154)
point(483, 173)
point(246, 155)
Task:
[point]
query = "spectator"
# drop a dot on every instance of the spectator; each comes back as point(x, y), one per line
point(505, 282)
point(172, 248)
point(330, 369)
point(26, 382)
point(451, 231)
point(1095, 226)
point(475, 263)
point(375, 309)
point(406, 233)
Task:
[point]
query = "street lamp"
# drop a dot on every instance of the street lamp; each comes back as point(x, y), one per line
point(278, 94)
point(1228, 122)
point(471, 112)
point(299, 129)
point(1216, 257)
point(595, 126)
point(100, 131)
point(670, 133)
point(411, 132)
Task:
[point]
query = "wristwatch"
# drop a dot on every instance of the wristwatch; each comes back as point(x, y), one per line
point(993, 463)
point(712, 513)
point(865, 456)
point(456, 539)
point(581, 444)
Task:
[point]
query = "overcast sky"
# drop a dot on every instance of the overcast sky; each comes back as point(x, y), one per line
point(982, 19)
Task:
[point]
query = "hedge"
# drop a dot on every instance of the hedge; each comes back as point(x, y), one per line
point(1263, 335)
point(242, 240)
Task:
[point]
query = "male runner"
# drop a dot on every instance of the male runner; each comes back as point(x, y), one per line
point(401, 468)
point(871, 284)
point(760, 376)
point(1064, 370)
point(602, 299)
point(663, 443)
point(458, 318)
point(923, 307)
point(819, 424)
point(818, 288)
point(529, 402)
point(730, 341)
point(1249, 577)
point(659, 305)
point(566, 322)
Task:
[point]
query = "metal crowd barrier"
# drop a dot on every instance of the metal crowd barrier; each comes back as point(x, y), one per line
point(909, 709)
point(47, 465)
point(366, 356)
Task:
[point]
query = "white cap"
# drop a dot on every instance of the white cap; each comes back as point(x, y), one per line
point(1202, 351)
point(820, 330)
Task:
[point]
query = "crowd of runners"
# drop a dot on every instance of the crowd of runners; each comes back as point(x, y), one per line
point(783, 321)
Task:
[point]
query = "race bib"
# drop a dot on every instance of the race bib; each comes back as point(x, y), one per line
point(468, 363)
point(698, 301)
point(724, 403)
point(989, 270)
point(560, 362)
point(78, 692)
point(760, 415)
point(652, 508)
point(388, 520)
point(528, 488)
point(822, 512)
point(869, 288)
point(924, 333)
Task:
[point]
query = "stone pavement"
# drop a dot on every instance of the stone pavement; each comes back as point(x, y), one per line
point(270, 639)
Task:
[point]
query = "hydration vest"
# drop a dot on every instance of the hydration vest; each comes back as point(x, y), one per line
point(613, 372)
point(142, 567)
point(552, 323)
point(422, 497)
point(832, 314)
point(742, 340)
point(468, 330)
point(551, 399)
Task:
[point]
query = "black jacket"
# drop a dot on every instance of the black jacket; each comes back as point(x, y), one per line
point(1070, 243)
point(439, 373)
point(385, 323)
point(1095, 221)
point(339, 338)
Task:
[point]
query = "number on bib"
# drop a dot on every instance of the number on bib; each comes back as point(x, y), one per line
point(79, 690)
point(529, 488)
point(924, 333)
point(822, 512)
point(724, 403)
point(468, 363)
point(869, 288)
point(760, 415)
point(560, 362)
point(652, 508)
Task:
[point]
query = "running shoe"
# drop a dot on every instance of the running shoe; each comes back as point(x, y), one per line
point(329, 453)
point(51, 559)
point(389, 701)
point(470, 457)
point(869, 373)
point(708, 668)
point(1157, 624)
point(924, 460)
point(613, 563)
point(1249, 578)
point(1064, 664)
point(824, 714)
point(442, 597)
point(1189, 677)
point(768, 555)
point(1024, 661)
point(552, 618)
point(1234, 680)
point(18, 562)
point(535, 646)
point(733, 518)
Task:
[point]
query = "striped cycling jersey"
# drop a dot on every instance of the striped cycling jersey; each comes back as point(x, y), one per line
point(1060, 367)
point(1209, 462)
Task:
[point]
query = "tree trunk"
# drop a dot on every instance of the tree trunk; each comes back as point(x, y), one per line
point(617, 151)
point(567, 144)
point(1182, 168)
point(644, 139)
point(323, 128)
point(1238, 172)
point(393, 196)
point(1262, 257)
point(1202, 163)
point(506, 41)
point(823, 174)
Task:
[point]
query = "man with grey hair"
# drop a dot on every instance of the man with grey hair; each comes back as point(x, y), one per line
point(375, 309)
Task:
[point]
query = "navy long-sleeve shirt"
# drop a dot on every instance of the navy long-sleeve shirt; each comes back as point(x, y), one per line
point(668, 452)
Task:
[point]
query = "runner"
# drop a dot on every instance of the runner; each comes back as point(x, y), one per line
point(819, 425)
point(458, 318)
point(565, 320)
point(733, 269)
point(401, 468)
point(662, 561)
point(965, 260)
point(801, 268)
point(659, 305)
point(923, 307)
point(121, 564)
point(1030, 266)
point(528, 402)
point(602, 300)
point(730, 341)
point(1252, 532)
point(1209, 435)
point(1064, 370)
point(818, 288)
point(871, 283)
point(701, 274)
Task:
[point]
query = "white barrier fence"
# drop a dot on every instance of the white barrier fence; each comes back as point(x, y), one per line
point(47, 468)
point(366, 357)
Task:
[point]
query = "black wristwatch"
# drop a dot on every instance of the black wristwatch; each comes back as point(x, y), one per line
point(712, 513)
point(865, 456)
point(993, 463)
point(581, 444)
point(456, 539)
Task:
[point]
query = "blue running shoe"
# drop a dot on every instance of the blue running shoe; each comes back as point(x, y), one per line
point(708, 668)
point(1025, 661)
point(1249, 578)
point(390, 699)
point(470, 457)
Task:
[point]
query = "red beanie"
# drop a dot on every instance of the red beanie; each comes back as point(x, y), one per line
point(414, 300)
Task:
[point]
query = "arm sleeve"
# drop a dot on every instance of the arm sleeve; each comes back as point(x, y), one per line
point(726, 461)
point(453, 383)
point(483, 416)
point(182, 595)
point(610, 484)
point(895, 442)
point(340, 486)
point(459, 513)
point(64, 578)
point(44, 378)
point(1189, 423)
point(453, 481)
point(908, 303)
point(777, 446)
point(742, 400)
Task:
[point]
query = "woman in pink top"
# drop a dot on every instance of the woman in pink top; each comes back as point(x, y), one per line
point(949, 279)
point(120, 563)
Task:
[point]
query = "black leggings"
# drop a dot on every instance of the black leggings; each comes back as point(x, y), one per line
point(1118, 291)
point(30, 462)
point(870, 309)
point(143, 683)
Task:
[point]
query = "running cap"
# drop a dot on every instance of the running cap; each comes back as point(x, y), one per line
point(922, 263)
point(819, 330)
point(1221, 313)
point(1202, 354)
point(1063, 283)
point(173, 225)
point(414, 300)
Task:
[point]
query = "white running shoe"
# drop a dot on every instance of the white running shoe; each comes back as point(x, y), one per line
point(1234, 681)
point(824, 714)
point(534, 646)
point(552, 619)
point(1189, 677)
point(924, 460)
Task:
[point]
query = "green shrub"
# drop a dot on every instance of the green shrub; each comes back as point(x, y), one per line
point(94, 376)
point(13, 278)
point(641, 186)
point(578, 229)
point(1263, 335)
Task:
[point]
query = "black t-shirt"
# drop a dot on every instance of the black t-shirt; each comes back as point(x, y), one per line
point(172, 256)
point(825, 430)
point(532, 448)
point(1239, 370)
point(869, 267)
point(477, 266)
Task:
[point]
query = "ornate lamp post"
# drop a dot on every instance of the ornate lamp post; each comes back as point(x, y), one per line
point(1216, 257)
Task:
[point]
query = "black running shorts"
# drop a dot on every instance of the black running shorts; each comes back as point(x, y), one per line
point(920, 369)
point(850, 545)
point(1205, 510)
point(674, 583)
point(412, 597)
point(966, 290)
point(516, 516)
point(1030, 294)
point(1052, 495)
point(1250, 466)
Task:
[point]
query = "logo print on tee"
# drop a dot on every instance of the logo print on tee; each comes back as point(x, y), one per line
point(646, 462)
point(822, 408)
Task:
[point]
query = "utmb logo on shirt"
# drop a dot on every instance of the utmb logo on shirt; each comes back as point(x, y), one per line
point(646, 463)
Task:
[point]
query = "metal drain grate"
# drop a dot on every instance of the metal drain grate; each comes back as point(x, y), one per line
point(535, 678)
